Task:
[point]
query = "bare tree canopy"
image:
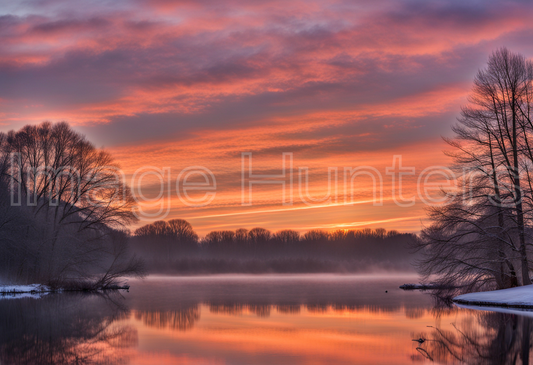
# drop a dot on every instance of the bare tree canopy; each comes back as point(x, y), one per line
point(257, 235)
point(175, 229)
point(165, 238)
point(57, 170)
point(287, 236)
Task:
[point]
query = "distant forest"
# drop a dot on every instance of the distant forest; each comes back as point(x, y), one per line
point(173, 246)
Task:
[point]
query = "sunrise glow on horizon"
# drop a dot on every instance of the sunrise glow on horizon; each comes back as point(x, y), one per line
point(338, 84)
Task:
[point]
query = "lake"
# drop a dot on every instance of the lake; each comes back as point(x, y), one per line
point(265, 319)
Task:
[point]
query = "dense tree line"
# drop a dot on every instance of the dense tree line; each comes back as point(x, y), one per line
point(367, 241)
point(483, 237)
point(259, 249)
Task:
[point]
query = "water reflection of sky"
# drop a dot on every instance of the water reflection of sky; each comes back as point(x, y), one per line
point(258, 320)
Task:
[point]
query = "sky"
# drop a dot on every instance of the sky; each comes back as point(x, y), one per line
point(190, 86)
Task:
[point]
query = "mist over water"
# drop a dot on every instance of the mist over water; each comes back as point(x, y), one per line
point(354, 291)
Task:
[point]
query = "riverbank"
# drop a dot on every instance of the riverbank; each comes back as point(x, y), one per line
point(519, 297)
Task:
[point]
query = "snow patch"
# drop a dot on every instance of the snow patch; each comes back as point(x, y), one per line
point(519, 297)
point(23, 291)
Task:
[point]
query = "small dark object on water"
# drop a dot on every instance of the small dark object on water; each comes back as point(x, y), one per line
point(386, 291)
point(420, 340)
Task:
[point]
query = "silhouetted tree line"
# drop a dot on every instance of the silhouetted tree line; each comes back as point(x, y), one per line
point(367, 242)
point(174, 245)
point(63, 211)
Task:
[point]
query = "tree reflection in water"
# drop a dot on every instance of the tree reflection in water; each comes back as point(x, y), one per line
point(482, 338)
point(180, 319)
point(65, 329)
point(261, 310)
point(185, 317)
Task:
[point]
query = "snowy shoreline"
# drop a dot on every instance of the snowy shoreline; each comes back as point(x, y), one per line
point(23, 291)
point(38, 291)
point(520, 297)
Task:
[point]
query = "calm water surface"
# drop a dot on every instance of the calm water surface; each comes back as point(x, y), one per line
point(279, 319)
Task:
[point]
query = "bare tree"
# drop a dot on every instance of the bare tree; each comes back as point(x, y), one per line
point(259, 235)
point(73, 194)
point(241, 235)
point(182, 230)
point(488, 223)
